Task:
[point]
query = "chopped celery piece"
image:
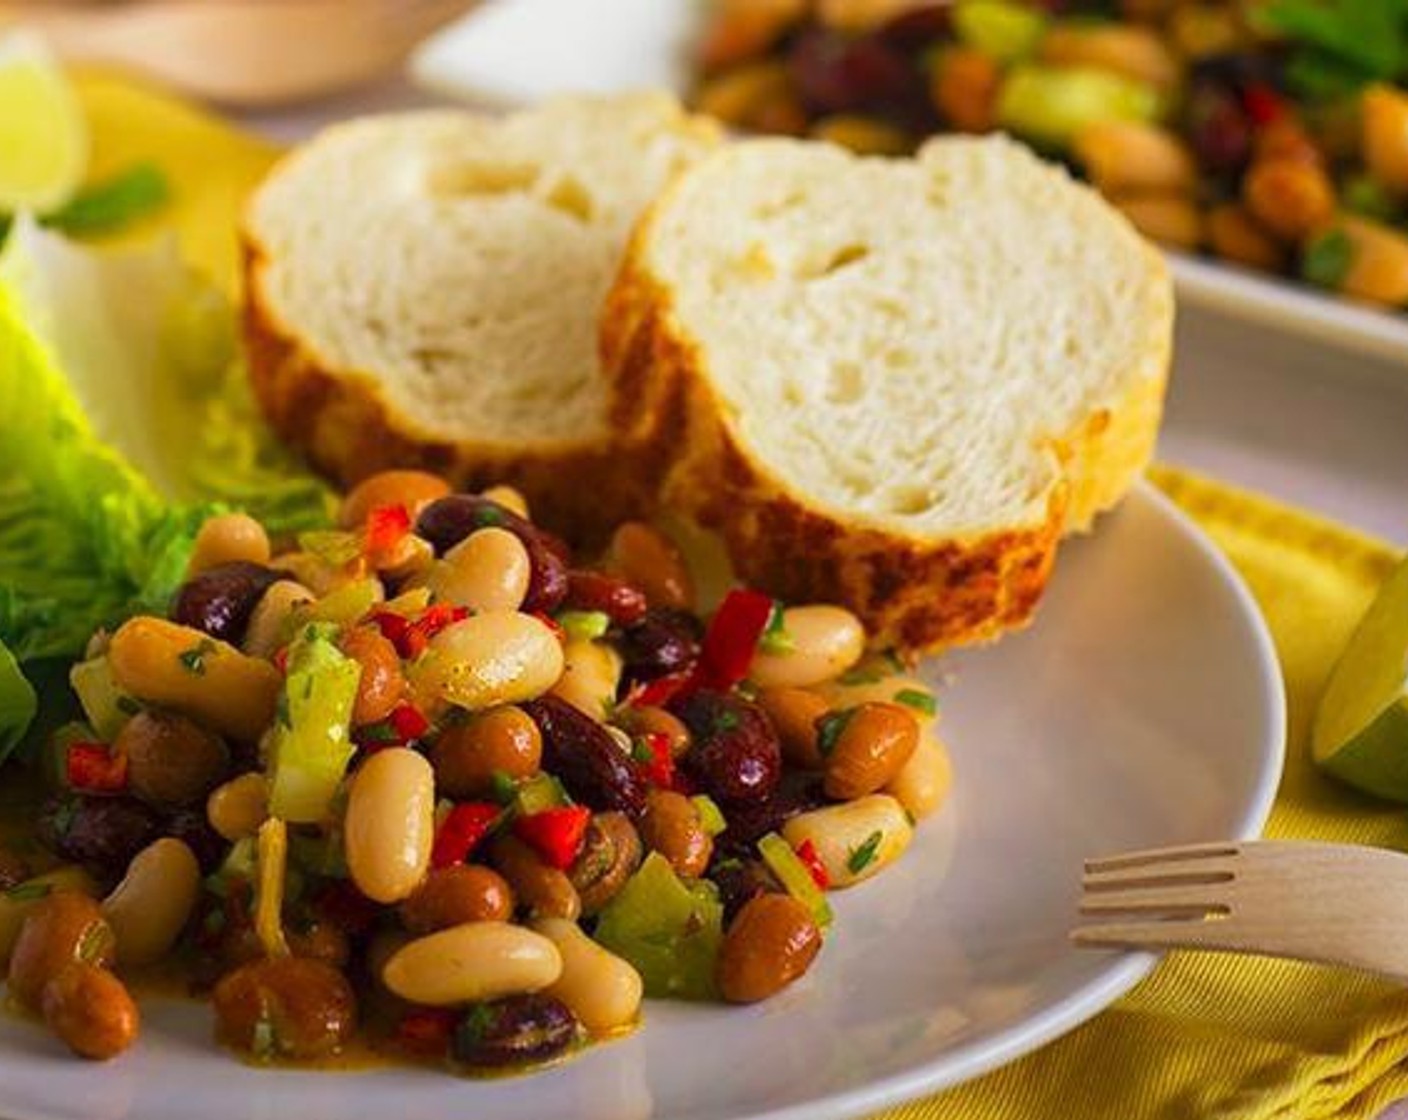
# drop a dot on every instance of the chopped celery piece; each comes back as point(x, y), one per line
point(584, 625)
point(272, 848)
point(311, 745)
point(710, 815)
point(106, 706)
point(999, 29)
point(542, 791)
point(777, 853)
point(345, 605)
point(668, 930)
point(1049, 105)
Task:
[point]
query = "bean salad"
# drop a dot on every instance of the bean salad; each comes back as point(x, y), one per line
point(426, 784)
point(1270, 134)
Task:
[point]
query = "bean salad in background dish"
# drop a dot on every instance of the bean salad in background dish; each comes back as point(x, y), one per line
point(425, 786)
point(1272, 134)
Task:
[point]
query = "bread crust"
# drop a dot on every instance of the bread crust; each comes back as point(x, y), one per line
point(346, 428)
point(912, 593)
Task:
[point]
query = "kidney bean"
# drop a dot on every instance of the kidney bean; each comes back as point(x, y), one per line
point(837, 73)
point(740, 880)
point(295, 1007)
point(749, 821)
point(91, 1010)
point(584, 756)
point(595, 591)
point(611, 852)
point(171, 760)
point(665, 641)
point(220, 600)
point(101, 833)
point(193, 828)
point(771, 944)
point(735, 755)
point(514, 1031)
point(446, 522)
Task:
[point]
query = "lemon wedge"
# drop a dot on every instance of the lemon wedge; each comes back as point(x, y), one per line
point(43, 134)
point(1361, 725)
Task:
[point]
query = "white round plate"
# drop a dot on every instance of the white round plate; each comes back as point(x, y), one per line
point(1143, 708)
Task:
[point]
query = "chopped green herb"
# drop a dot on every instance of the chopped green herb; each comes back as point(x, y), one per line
point(1363, 195)
point(505, 788)
point(641, 752)
point(193, 659)
point(113, 202)
point(377, 734)
point(262, 1042)
point(775, 639)
point(1338, 47)
point(127, 705)
point(490, 514)
point(1327, 259)
point(584, 625)
point(917, 699)
point(726, 719)
point(829, 730)
point(29, 892)
point(862, 857)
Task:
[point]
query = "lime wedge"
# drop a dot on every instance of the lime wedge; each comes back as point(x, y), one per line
point(1361, 726)
point(43, 134)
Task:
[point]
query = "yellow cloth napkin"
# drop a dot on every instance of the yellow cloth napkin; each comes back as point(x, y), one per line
point(1204, 1036)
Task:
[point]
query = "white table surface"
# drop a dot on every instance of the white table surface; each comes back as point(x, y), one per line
point(1323, 428)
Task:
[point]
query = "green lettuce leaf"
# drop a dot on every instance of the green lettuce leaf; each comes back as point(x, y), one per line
point(125, 422)
point(17, 702)
point(147, 348)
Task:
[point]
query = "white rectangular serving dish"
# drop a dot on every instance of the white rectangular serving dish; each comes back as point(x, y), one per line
point(512, 52)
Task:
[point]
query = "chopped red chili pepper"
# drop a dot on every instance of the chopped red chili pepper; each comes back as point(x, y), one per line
point(659, 769)
point(555, 834)
point(93, 768)
point(660, 691)
point(435, 618)
point(386, 527)
point(1262, 103)
point(404, 725)
point(280, 660)
point(408, 722)
point(807, 853)
point(460, 833)
point(400, 631)
point(732, 637)
point(426, 1031)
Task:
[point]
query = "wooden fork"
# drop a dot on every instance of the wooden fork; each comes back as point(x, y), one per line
point(1332, 903)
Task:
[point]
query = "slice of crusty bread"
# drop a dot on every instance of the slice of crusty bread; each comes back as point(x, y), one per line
point(423, 289)
point(891, 383)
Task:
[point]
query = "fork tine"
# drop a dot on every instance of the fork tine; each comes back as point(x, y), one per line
point(1194, 873)
point(1180, 899)
point(1151, 856)
point(1142, 934)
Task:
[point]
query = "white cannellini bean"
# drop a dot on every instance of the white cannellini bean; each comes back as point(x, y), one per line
point(600, 988)
point(390, 824)
point(471, 962)
point(855, 839)
point(923, 782)
point(498, 657)
point(825, 642)
point(151, 906)
point(590, 674)
point(269, 621)
point(487, 571)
